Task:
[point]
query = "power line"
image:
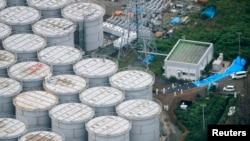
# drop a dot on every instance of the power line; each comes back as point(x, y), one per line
point(203, 117)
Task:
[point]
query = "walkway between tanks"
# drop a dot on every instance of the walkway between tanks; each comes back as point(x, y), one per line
point(237, 65)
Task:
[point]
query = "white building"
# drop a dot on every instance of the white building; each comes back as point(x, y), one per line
point(188, 59)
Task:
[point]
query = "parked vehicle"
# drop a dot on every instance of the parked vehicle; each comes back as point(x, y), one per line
point(231, 111)
point(212, 87)
point(239, 74)
point(229, 88)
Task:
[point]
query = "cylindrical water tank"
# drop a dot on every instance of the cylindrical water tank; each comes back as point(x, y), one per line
point(33, 107)
point(7, 59)
point(69, 119)
point(2, 4)
point(96, 69)
point(67, 87)
point(61, 58)
point(9, 88)
point(30, 73)
point(144, 115)
point(24, 45)
point(135, 82)
point(5, 31)
point(11, 129)
point(89, 20)
point(49, 8)
point(108, 128)
point(58, 31)
point(15, 2)
point(20, 18)
point(42, 136)
point(103, 99)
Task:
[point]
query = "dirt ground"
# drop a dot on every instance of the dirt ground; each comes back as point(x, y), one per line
point(241, 85)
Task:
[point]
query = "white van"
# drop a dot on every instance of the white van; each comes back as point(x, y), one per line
point(239, 74)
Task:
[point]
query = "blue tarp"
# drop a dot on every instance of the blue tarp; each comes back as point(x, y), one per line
point(175, 20)
point(136, 24)
point(209, 12)
point(148, 59)
point(136, 10)
point(237, 65)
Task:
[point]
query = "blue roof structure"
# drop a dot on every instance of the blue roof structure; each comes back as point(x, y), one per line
point(237, 65)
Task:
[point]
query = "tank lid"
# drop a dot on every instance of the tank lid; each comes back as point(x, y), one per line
point(83, 11)
point(71, 112)
point(65, 84)
point(47, 4)
point(102, 96)
point(138, 109)
point(29, 71)
point(2, 4)
point(6, 59)
point(5, 30)
point(35, 100)
point(41, 136)
point(53, 27)
point(108, 126)
point(9, 87)
point(19, 15)
point(24, 43)
point(131, 79)
point(60, 55)
point(95, 67)
point(11, 128)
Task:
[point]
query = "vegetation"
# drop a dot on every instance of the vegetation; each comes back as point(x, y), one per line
point(232, 16)
point(214, 113)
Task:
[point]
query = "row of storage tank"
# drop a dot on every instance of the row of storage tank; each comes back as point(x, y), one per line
point(67, 105)
point(51, 90)
point(61, 22)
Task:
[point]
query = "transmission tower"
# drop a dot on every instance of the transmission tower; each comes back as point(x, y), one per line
point(138, 17)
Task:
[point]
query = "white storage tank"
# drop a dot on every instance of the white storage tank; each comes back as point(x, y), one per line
point(24, 45)
point(96, 69)
point(42, 136)
point(145, 117)
point(20, 18)
point(5, 31)
point(66, 87)
point(57, 31)
point(33, 107)
point(15, 2)
point(30, 73)
point(11, 129)
point(108, 128)
point(61, 58)
point(9, 88)
point(103, 99)
point(7, 59)
point(89, 20)
point(2, 4)
point(69, 119)
point(135, 82)
point(49, 8)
